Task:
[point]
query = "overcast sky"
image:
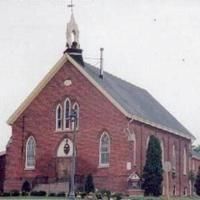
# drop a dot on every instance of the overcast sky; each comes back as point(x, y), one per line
point(154, 44)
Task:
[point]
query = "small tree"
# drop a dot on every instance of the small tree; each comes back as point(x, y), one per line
point(152, 173)
point(197, 183)
point(89, 184)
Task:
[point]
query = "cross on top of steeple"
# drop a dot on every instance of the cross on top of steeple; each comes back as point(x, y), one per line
point(71, 5)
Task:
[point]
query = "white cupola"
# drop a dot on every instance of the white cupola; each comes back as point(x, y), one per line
point(72, 33)
point(72, 36)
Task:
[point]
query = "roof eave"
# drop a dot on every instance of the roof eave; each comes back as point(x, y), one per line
point(159, 126)
point(196, 157)
point(48, 77)
point(51, 74)
point(36, 91)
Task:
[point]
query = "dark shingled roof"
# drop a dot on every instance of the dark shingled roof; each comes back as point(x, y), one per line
point(136, 101)
point(196, 154)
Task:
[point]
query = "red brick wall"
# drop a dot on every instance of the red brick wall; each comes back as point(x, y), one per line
point(142, 132)
point(96, 115)
point(2, 171)
point(195, 164)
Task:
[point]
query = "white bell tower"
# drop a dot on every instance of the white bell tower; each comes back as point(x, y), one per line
point(72, 36)
point(72, 33)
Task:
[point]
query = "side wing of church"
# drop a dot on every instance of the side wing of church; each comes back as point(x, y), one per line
point(114, 122)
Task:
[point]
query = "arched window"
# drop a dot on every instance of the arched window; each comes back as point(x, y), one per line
point(77, 110)
point(134, 147)
point(30, 153)
point(104, 150)
point(184, 161)
point(59, 117)
point(67, 112)
point(174, 157)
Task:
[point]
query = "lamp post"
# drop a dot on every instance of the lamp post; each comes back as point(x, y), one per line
point(73, 120)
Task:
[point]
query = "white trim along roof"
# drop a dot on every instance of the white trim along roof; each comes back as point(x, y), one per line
point(51, 74)
point(2, 153)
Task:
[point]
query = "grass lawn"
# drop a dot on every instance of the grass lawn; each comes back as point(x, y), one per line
point(64, 198)
point(32, 198)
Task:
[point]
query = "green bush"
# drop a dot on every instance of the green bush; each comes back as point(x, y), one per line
point(38, 193)
point(14, 193)
point(51, 194)
point(197, 183)
point(24, 194)
point(82, 194)
point(105, 192)
point(98, 195)
point(61, 194)
point(117, 196)
point(6, 194)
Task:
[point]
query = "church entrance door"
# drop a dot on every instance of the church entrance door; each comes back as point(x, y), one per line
point(63, 168)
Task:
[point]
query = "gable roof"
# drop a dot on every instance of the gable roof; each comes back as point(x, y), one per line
point(132, 101)
point(137, 101)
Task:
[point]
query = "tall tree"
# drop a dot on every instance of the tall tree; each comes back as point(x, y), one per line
point(196, 148)
point(197, 183)
point(153, 170)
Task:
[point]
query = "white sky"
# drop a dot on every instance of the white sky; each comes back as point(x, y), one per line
point(154, 44)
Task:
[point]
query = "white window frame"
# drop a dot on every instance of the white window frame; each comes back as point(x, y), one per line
point(184, 161)
point(27, 167)
point(61, 119)
point(78, 115)
point(134, 148)
point(64, 117)
point(174, 157)
point(102, 165)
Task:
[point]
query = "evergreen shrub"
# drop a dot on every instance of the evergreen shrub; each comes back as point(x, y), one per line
point(197, 183)
point(153, 170)
point(61, 194)
point(89, 184)
point(14, 193)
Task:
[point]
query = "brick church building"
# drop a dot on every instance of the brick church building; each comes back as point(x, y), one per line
point(114, 122)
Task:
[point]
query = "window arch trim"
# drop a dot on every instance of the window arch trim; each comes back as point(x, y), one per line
point(107, 164)
point(185, 161)
point(66, 116)
point(134, 148)
point(174, 157)
point(78, 114)
point(33, 154)
point(59, 119)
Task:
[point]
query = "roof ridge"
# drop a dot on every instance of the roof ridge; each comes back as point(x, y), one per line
point(117, 77)
point(137, 101)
